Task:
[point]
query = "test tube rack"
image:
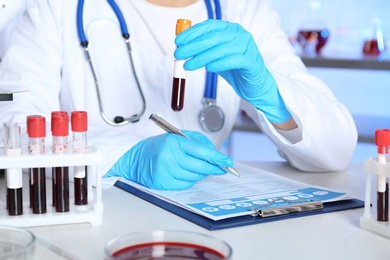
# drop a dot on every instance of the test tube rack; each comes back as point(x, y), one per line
point(369, 221)
point(91, 213)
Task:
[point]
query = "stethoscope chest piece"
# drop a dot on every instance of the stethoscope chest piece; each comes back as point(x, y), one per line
point(211, 117)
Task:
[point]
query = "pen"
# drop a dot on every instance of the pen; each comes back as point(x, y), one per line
point(171, 129)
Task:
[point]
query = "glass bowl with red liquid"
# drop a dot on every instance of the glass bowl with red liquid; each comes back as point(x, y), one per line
point(167, 244)
point(312, 40)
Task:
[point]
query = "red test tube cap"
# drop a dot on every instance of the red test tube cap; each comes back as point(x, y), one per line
point(79, 121)
point(55, 113)
point(36, 126)
point(60, 124)
point(382, 140)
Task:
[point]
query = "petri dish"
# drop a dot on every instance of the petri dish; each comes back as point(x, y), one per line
point(167, 244)
point(16, 243)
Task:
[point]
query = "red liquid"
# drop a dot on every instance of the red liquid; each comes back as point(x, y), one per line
point(371, 47)
point(178, 89)
point(62, 189)
point(38, 190)
point(15, 201)
point(317, 38)
point(170, 251)
point(53, 187)
point(30, 188)
point(383, 205)
point(81, 190)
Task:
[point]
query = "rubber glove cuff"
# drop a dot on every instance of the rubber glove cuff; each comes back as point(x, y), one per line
point(262, 91)
point(271, 103)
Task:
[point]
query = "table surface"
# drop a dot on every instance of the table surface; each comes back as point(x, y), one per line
point(334, 235)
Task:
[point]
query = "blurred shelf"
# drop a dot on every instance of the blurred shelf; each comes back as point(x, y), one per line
point(347, 63)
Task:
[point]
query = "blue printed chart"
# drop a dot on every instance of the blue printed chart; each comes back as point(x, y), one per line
point(226, 196)
point(238, 205)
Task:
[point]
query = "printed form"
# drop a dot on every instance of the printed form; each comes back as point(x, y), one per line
point(227, 196)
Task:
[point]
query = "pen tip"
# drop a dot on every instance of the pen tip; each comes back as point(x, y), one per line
point(235, 172)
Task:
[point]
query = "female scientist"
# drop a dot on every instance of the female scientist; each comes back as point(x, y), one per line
point(115, 59)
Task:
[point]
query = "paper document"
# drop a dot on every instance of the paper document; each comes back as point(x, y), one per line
point(227, 196)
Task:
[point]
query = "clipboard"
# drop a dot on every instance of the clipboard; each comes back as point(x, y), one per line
point(258, 216)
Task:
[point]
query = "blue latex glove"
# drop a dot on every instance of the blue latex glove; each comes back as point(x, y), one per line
point(229, 50)
point(171, 162)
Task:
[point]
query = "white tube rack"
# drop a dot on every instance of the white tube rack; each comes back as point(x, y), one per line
point(90, 213)
point(368, 221)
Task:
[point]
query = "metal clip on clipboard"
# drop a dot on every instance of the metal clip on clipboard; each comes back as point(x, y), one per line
point(295, 207)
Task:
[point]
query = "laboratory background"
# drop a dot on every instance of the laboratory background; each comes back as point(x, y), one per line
point(359, 81)
point(365, 92)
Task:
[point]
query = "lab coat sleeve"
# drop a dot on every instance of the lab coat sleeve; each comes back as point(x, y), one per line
point(33, 64)
point(328, 132)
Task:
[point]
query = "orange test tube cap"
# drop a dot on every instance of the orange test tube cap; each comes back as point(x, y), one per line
point(182, 24)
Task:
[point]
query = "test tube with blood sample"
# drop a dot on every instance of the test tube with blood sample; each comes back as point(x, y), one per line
point(179, 73)
point(12, 147)
point(79, 129)
point(36, 131)
point(60, 131)
point(382, 141)
point(54, 190)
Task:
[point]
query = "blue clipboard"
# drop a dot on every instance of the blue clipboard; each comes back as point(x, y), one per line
point(236, 221)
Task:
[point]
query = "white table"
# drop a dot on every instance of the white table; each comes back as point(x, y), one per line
point(327, 236)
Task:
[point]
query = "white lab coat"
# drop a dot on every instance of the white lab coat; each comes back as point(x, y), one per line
point(45, 57)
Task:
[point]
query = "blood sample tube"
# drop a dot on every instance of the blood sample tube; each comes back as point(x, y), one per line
point(36, 130)
point(179, 73)
point(12, 146)
point(79, 129)
point(382, 141)
point(30, 174)
point(60, 131)
point(54, 190)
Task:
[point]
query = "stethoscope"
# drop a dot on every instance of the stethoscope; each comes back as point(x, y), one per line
point(118, 120)
point(211, 116)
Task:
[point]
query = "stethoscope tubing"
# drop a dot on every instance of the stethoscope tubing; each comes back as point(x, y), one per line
point(212, 77)
point(210, 92)
point(126, 36)
point(80, 25)
point(121, 19)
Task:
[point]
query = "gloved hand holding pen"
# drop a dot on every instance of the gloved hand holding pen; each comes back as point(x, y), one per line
point(229, 50)
point(171, 162)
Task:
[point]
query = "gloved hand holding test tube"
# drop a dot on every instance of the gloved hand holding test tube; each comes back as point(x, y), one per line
point(171, 129)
